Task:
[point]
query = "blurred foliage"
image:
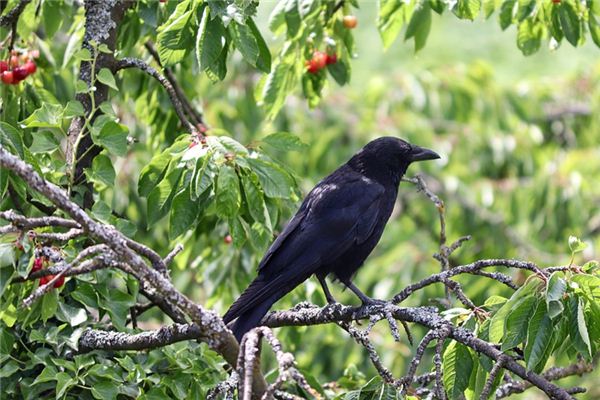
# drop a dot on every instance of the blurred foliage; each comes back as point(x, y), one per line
point(518, 173)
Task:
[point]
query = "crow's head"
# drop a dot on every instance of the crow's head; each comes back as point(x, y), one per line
point(389, 157)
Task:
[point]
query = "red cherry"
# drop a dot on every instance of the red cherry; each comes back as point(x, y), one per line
point(14, 61)
point(38, 263)
point(556, 1)
point(331, 59)
point(3, 66)
point(59, 282)
point(311, 66)
point(228, 239)
point(19, 73)
point(350, 21)
point(45, 279)
point(30, 67)
point(7, 77)
point(319, 59)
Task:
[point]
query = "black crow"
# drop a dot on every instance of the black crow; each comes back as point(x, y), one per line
point(336, 228)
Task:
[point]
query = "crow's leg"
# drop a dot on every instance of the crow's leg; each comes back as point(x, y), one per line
point(366, 300)
point(328, 294)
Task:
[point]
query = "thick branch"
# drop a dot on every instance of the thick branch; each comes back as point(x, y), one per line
point(13, 15)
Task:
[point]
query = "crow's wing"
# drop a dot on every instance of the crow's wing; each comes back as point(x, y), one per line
point(337, 214)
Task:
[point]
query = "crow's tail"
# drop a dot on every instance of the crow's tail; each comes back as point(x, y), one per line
point(252, 305)
point(250, 319)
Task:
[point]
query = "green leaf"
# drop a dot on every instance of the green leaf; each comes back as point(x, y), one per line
point(279, 83)
point(576, 245)
point(292, 18)
point(263, 61)
point(11, 137)
point(49, 304)
point(569, 22)
point(284, 141)
point(517, 321)
point(105, 390)
point(506, 13)
point(63, 383)
point(74, 108)
point(245, 41)
point(467, 9)
point(175, 36)
point(47, 116)
point(183, 213)
point(159, 199)
point(73, 315)
point(582, 327)
point(390, 20)
point(43, 142)
point(201, 179)
point(498, 321)
point(255, 200)
point(274, 180)
point(106, 77)
point(529, 37)
point(525, 9)
point(228, 192)
point(211, 44)
point(594, 28)
point(103, 170)
point(457, 364)
point(554, 294)
point(113, 137)
point(539, 334)
point(277, 17)
point(419, 25)
point(153, 173)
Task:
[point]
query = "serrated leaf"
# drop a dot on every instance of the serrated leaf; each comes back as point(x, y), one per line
point(175, 36)
point(583, 329)
point(529, 37)
point(159, 199)
point(569, 22)
point(390, 20)
point(506, 13)
point(263, 61)
point(183, 213)
point(245, 42)
point(576, 245)
point(419, 25)
point(457, 365)
point(517, 321)
point(275, 182)
point(284, 141)
point(554, 294)
point(228, 192)
point(467, 9)
point(539, 334)
point(49, 305)
point(498, 321)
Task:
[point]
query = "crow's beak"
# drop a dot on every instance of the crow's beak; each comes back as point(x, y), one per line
point(421, 154)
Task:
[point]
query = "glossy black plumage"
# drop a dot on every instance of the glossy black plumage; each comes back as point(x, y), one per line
point(337, 226)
